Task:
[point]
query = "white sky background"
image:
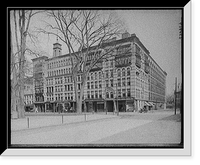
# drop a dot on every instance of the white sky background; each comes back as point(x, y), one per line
point(158, 30)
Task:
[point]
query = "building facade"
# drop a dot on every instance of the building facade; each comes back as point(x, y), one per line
point(28, 93)
point(129, 77)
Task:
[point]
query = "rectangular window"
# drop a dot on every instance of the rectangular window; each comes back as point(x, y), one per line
point(128, 92)
point(100, 85)
point(106, 74)
point(128, 81)
point(111, 82)
point(92, 85)
point(96, 94)
point(123, 92)
point(88, 94)
point(123, 82)
point(79, 86)
point(111, 73)
point(100, 94)
point(107, 83)
point(96, 85)
point(88, 85)
point(92, 94)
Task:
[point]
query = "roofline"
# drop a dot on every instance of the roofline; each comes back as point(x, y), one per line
point(41, 57)
point(133, 38)
point(115, 42)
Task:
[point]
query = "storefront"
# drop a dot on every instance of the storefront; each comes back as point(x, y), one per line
point(147, 106)
point(94, 105)
point(40, 106)
point(29, 108)
point(130, 105)
point(125, 105)
point(110, 107)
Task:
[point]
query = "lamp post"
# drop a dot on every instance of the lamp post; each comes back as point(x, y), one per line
point(175, 94)
point(117, 101)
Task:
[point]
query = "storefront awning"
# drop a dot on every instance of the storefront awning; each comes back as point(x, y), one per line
point(151, 104)
point(146, 103)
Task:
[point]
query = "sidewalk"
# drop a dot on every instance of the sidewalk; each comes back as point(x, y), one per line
point(37, 120)
point(162, 132)
point(159, 127)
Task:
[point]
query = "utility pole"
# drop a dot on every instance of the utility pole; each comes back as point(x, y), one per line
point(117, 110)
point(175, 94)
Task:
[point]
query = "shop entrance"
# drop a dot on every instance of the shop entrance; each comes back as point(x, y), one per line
point(110, 106)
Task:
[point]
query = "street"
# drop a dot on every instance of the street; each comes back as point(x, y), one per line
point(157, 127)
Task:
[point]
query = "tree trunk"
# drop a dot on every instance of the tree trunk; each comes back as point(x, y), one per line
point(21, 110)
point(79, 108)
point(13, 74)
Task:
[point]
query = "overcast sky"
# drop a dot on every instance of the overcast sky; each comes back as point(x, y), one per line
point(158, 30)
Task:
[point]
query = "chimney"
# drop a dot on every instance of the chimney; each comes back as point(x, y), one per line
point(133, 35)
point(125, 35)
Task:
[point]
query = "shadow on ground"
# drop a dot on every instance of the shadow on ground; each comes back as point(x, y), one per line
point(176, 118)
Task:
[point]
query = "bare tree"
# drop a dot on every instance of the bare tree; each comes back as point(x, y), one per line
point(21, 21)
point(85, 33)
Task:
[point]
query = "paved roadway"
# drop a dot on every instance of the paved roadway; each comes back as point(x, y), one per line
point(159, 127)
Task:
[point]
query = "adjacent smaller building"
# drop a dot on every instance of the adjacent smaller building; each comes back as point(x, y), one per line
point(28, 93)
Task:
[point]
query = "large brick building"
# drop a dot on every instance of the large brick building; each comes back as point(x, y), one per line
point(129, 77)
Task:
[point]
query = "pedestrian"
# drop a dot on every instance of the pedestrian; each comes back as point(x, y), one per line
point(36, 109)
point(127, 108)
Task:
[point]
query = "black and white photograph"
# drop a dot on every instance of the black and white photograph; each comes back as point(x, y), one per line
point(98, 78)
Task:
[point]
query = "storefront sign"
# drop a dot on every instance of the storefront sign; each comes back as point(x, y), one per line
point(100, 102)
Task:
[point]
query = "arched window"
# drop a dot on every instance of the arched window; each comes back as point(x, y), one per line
point(111, 95)
point(100, 75)
point(123, 72)
point(119, 73)
point(107, 95)
point(91, 76)
point(128, 71)
point(95, 75)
